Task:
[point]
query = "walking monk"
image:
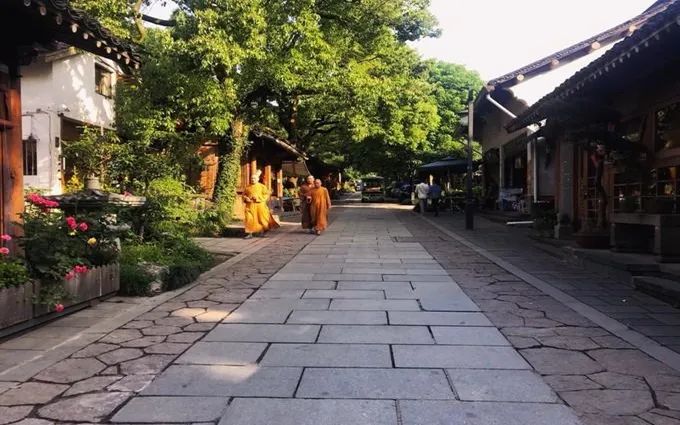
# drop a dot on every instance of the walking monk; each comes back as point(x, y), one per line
point(258, 219)
point(305, 194)
point(321, 203)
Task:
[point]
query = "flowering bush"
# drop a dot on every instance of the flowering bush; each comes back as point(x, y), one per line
point(12, 272)
point(58, 247)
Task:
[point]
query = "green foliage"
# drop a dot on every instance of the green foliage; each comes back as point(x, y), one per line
point(230, 169)
point(93, 152)
point(169, 208)
point(134, 280)
point(12, 274)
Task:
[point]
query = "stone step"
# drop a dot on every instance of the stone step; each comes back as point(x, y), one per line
point(662, 288)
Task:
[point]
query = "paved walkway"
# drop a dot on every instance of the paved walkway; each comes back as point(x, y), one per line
point(385, 319)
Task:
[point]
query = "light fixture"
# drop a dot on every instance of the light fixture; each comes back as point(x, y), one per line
point(99, 43)
point(596, 45)
point(520, 77)
point(74, 28)
point(86, 35)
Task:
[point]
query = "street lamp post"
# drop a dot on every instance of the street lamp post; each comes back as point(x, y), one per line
point(469, 199)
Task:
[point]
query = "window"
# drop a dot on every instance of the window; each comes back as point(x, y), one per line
point(668, 127)
point(103, 78)
point(30, 157)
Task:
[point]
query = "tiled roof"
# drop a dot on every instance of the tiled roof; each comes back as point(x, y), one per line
point(650, 32)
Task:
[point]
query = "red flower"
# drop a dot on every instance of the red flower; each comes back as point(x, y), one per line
point(80, 269)
point(70, 275)
point(83, 227)
point(4, 251)
point(71, 222)
point(59, 308)
point(40, 202)
point(6, 237)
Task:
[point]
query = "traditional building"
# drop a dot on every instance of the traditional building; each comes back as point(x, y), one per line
point(62, 91)
point(519, 164)
point(27, 28)
point(615, 126)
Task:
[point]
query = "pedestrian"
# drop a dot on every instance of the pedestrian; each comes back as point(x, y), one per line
point(321, 203)
point(422, 191)
point(435, 195)
point(305, 194)
point(258, 218)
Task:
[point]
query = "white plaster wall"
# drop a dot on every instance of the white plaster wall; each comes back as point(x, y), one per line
point(63, 87)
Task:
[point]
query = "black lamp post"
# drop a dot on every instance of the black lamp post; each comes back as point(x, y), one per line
point(469, 198)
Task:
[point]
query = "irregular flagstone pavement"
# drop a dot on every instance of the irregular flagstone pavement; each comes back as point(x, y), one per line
point(382, 320)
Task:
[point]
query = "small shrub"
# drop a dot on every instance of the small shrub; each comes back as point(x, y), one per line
point(134, 280)
point(12, 274)
point(169, 208)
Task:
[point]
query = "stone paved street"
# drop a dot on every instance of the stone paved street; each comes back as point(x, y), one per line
point(384, 319)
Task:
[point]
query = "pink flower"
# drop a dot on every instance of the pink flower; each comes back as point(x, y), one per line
point(59, 308)
point(6, 237)
point(4, 251)
point(70, 275)
point(71, 222)
point(40, 202)
point(83, 227)
point(80, 269)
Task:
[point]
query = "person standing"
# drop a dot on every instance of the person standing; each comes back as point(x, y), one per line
point(422, 192)
point(258, 218)
point(305, 194)
point(321, 203)
point(435, 194)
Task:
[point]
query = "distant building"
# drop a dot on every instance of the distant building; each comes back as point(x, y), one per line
point(62, 91)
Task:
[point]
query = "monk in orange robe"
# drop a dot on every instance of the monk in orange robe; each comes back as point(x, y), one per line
point(321, 203)
point(305, 194)
point(258, 218)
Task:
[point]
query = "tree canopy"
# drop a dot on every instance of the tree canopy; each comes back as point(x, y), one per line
point(336, 77)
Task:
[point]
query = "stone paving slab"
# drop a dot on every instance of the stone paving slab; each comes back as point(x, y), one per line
point(423, 384)
point(380, 305)
point(304, 284)
point(260, 411)
point(459, 356)
point(249, 381)
point(501, 385)
point(328, 355)
point(223, 353)
point(349, 334)
point(278, 294)
point(344, 294)
point(438, 318)
point(482, 413)
point(171, 410)
point(263, 333)
point(468, 336)
point(338, 317)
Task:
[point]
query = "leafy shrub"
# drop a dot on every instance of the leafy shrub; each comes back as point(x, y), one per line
point(12, 273)
point(134, 280)
point(169, 208)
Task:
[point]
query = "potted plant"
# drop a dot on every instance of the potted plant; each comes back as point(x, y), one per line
point(91, 155)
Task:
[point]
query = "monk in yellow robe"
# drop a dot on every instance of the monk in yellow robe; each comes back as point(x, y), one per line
point(305, 194)
point(321, 203)
point(258, 218)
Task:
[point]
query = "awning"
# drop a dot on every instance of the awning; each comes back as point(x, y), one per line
point(295, 168)
point(447, 164)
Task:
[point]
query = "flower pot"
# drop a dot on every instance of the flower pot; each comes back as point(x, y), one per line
point(93, 183)
point(16, 305)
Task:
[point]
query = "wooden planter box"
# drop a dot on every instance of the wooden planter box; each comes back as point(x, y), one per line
point(17, 311)
point(96, 283)
point(16, 305)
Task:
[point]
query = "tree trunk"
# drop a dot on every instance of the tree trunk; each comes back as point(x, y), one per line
point(231, 153)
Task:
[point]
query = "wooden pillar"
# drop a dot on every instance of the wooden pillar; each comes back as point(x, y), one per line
point(253, 170)
point(11, 156)
point(279, 183)
point(268, 177)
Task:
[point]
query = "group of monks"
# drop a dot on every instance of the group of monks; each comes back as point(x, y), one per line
point(315, 201)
